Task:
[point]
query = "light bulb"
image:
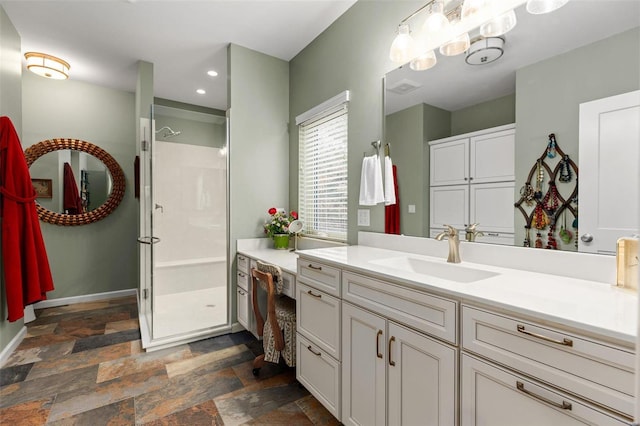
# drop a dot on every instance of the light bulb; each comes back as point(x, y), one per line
point(539, 7)
point(456, 45)
point(424, 62)
point(436, 21)
point(471, 8)
point(500, 25)
point(403, 47)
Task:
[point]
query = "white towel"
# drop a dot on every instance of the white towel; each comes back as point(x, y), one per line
point(371, 192)
point(389, 187)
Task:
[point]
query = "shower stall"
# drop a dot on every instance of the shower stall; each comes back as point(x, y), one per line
point(184, 291)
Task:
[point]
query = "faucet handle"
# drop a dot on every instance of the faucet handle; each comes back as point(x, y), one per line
point(451, 231)
point(471, 227)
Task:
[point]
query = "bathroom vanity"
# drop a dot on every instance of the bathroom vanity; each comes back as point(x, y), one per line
point(402, 337)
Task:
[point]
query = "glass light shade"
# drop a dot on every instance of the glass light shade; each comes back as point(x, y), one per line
point(539, 7)
point(500, 25)
point(471, 8)
point(424, 62)
point(436, 21)
point(47, 66)
point(403, 46)
point(456, 45)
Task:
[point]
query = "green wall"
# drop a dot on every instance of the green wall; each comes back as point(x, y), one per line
point(549, 94)
point(101, 256)
point(352, 54)
point(259, 142)
point(10, 106)
point(493, 113)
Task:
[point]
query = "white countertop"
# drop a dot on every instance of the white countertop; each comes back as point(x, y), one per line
point(588, 306)
point(285, 259)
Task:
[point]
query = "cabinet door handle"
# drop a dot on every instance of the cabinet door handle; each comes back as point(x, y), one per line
point(470, 178)
point(317, 268)
point(564, 342)
point(391, 363)
point(564, 406)
point(466, 178)
point(242, 293)
point(313, 352)
point(378, 344)
point(319, 296)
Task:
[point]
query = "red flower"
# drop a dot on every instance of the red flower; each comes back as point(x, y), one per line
point(272, 210)
point(294, 214)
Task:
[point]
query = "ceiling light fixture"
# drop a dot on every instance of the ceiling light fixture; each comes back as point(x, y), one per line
point(201, 91)
point(47, 66)
point(485, 50)
point(449, 22)
point(212, 73)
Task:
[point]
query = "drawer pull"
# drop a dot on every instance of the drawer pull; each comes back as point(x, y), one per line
point(493, 234)
point(242, 258)
point(242, 293)
point(319, 296)
point(242, 275)
point(391, 363)
point(313, 352)
point(317, 268)
point(564, 406)
point(564, 342)
point(378, 344)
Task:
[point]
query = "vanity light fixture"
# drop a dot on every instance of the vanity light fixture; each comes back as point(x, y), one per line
point(47, 66)
point(448, 23)
point(201, 91)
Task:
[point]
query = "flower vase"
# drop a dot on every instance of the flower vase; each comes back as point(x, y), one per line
point(281, 241)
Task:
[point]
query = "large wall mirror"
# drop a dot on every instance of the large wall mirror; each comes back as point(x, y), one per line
point(550, 65)
point(76, 181)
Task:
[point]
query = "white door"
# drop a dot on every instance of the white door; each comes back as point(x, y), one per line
point(492, 396)
point(449, 205)
point(422, 379)
point(363, 367)
point(492, 157)
point(491, 206)
point(609, 155)
point(449, 163)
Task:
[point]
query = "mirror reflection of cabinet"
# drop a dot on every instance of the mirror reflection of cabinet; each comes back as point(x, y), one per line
point(472, 181)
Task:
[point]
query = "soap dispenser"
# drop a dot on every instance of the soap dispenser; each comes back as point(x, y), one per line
point(627, 262)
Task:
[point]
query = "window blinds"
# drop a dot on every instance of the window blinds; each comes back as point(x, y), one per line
point(322, 186)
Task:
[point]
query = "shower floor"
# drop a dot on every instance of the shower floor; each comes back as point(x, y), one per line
point(188, 311)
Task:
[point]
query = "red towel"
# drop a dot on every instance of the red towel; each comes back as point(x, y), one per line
point(72, 203)
point(26, 267)
point(392, 212)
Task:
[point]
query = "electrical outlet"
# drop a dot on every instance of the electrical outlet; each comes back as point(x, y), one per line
point(412, 208)
point(364, 217)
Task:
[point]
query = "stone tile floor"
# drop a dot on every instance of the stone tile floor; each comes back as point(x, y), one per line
point(83, 364)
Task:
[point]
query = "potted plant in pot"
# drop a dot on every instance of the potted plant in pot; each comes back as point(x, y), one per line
point(277, 227)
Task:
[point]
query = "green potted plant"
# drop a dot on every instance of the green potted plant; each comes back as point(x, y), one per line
point(277, 227)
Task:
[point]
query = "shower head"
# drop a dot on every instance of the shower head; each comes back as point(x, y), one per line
point(169, 132)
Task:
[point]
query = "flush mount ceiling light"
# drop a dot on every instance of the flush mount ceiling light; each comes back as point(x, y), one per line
point(448, 23)
point(485, 50)
point(47, 66)
point(201, 91)
point(212, 73)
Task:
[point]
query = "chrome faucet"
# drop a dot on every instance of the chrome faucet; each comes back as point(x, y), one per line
point(471, 233)
point(454, 243)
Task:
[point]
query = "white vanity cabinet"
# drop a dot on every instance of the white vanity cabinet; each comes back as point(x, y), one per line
point(574, 366)
point(318, 319)
point(243, 290)
point(392, 374)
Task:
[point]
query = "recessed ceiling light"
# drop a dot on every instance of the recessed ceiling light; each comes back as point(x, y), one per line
point(201, 91)
point(212, 73)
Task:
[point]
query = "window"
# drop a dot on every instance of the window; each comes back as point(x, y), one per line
point(322, 187)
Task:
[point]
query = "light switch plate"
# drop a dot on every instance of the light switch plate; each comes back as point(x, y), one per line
point(412, 208)
point(364, 217)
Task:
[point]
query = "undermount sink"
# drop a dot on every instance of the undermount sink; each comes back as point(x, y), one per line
point(446, 271)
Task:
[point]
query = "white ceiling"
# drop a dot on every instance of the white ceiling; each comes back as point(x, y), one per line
point(103, 40)
point(452, 84)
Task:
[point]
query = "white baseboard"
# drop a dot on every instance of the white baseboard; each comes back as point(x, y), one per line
point(13, 344)
point(84, 298)
point(236, 327)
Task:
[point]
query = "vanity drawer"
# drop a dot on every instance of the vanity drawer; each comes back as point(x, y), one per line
point(243, 279)
point(289, 285)
point(318, 318)
point(424, 312)
point(319, 373)
point(243, 263)
point(583, 366)
point(320, 276)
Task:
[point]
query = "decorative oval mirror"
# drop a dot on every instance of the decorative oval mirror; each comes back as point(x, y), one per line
point(99, 178)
